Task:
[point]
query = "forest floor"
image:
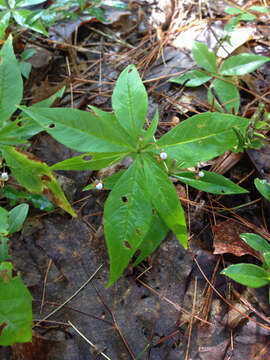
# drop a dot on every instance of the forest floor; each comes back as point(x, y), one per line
point(174, 305)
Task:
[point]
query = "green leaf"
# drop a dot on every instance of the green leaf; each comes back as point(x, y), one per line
point(16, 218)
point(233, 11)
point(256, 242)
point(247, 274)
point(150, 132)
point(127, 218)
point(21, 17)
point(204, 57)
point(35, 176)
point(194, 77)
point(15, 309)
point(267, 259)
point(247, 17)
point(261, 9)
point(210, 182)
point(231, 25)
point(263, 187)
point(4, 21)
point(227, 93)
point(27, 54)
point(81, 130)
point(242, 64)
point(25, 68)
point(165, 199)
point(4, 249)
point(97, 162)
point(39, 201)
point(129, 101)
point(3, 221)
point(11, 85)
point(202, 137)
point(157, 232)
point(22, 3)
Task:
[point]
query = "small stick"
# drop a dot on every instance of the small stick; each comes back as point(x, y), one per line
point(88, 341)
point(70, 298)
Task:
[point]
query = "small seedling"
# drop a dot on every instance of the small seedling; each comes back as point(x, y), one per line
point(223, 92)
point(249, 274)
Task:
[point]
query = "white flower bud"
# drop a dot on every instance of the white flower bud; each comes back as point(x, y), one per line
point(4, 176)
point(99, 186)
point(163, 155)
point(201, 174)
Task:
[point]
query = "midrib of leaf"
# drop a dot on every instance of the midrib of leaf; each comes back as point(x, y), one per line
point(131, 106)
point(197, 139)
point(84, 132)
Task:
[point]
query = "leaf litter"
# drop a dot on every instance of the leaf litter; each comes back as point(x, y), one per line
point(163, 308)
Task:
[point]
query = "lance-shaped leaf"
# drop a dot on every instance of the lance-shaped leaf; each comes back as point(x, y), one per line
point(228, 95)
point(3, 221)
point(263, 187)
point(130, 101)
point(192, 78)
point(248, 274)
point(35, 176)
point(11, 84)
point(165, 199)
point(127, 218)
point(210, 182)
point(242, 64)
point(15, 308)
point(204, 57)
point(202, 137)
point(157, 232)
point(16, 218)
point(98, 161)
point(81, 130)
point(256, 242)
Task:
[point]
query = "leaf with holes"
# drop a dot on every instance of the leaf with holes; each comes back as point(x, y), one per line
point(35, 176)
point(127, 218)
point(81, 130)
point(15, 308)
point(130, 101)
point(98, 161)
point(157, 232)
point(165, 199)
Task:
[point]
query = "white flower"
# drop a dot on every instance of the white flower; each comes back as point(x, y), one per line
point(4, 176)
point(163, 155)
point(99, 186)
point(201, 174)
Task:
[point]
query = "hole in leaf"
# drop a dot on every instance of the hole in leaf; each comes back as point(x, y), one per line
point(45, 178)
point(130, 70)
point(2, 326)
point(87, 157)
point(51, 126)
point(223, 191)
point(19, 123)
point(139, 232)
point(127, 244)
point(154, 212)
point(124, 199)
